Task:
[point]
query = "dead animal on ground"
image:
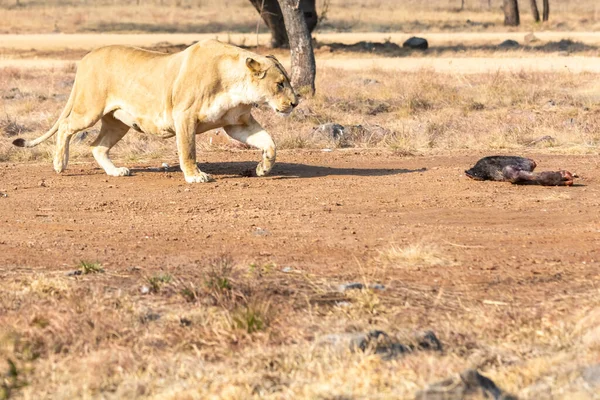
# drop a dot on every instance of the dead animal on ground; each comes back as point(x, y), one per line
point(517, 170)
point(209, 85)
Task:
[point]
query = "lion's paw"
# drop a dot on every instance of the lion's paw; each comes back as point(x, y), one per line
point(121, 171)
point(262, 171)
point(199, 177)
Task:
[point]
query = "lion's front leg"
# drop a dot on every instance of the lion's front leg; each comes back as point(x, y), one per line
point(185, 132)
point(250, 132)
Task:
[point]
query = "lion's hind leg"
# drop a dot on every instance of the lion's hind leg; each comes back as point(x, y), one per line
point(111, 132)
point(61, 153)
point(66, 129)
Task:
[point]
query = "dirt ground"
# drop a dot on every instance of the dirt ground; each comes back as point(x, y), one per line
point(321, 212)
point(456, 53)
point(43, 42)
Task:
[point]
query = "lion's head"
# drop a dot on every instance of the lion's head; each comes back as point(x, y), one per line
point(273, 84)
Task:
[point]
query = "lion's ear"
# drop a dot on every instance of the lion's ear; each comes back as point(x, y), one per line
point(254, 67)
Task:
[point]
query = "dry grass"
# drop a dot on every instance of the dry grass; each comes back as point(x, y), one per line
point(410, 113)
point(425, 112)
point(250, 332)
point(413, 255)
point(207, 16)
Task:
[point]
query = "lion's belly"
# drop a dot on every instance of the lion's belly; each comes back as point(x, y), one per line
point(161, 127)
point(231, 116)
point(145, 124)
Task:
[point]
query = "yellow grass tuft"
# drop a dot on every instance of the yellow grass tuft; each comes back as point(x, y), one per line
point(413, 255)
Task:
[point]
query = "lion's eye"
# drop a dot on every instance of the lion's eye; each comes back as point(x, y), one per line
point(280, 86)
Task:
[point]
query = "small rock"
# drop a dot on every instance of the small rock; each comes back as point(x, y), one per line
point(287, 269)
point(342, 340)
point(149, 317)
point(42, 183)
point(376, 341)
point(261, 232)
point(369, 81)
point(77, 272)
point(145, 290)
point(380, 343)
point(2, 194)
point(359, 286)
point(165, 166)
point(330, 131)
point(545, 140)
point(509, 44)
point(428, 341)
point(591, 375)
point(416, 43)
point(530, 38)
point(185, 322)
point(468, 384)
point(350, 286)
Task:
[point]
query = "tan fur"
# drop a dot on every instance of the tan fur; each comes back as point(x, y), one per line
point(209, 85)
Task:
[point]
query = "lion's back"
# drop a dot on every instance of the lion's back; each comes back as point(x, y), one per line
point(123, 72)
point(124, 58)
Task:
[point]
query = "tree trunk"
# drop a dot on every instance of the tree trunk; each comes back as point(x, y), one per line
point(546, 10)
point(511, 13)
point(303, 58)
point(270, 12)
point(534, 10)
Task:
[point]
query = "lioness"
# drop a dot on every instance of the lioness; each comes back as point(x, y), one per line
point(208, 85)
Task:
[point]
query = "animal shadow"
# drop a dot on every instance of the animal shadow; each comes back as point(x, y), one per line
point(286, 170)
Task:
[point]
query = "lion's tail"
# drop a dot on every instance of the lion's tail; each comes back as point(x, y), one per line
point(65, 113)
